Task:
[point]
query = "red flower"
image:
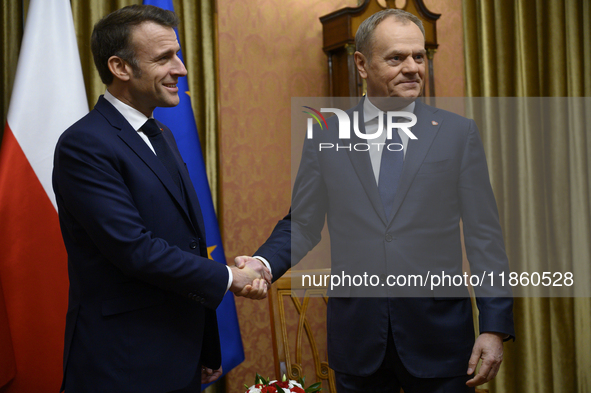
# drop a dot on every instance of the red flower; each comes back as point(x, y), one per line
point(296, 389)
point(273, 389)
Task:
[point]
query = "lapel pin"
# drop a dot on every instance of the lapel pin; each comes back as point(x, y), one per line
point(434, 123)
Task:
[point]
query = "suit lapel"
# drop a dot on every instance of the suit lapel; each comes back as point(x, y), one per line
point(362, 164)
point(139, 147)
point(428, 124)
point(193, 203)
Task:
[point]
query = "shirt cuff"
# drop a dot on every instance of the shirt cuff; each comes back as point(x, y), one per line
point(230, 278)
point(265, 262)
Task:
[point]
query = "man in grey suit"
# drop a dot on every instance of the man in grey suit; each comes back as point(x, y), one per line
point(394, 212)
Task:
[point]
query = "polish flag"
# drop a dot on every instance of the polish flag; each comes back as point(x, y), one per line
point(47, 97)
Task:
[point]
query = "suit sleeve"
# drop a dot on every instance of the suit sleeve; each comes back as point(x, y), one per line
point(94, 197)
point(483, 237)
point(300, 231)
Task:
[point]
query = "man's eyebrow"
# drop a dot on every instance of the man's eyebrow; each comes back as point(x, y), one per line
point(397, 52)
point(167, 52)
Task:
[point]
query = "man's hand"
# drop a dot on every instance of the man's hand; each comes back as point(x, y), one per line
point(248, 283)
point(255, 264)
point(208, 375)
point(489, 348)
point(251, 278)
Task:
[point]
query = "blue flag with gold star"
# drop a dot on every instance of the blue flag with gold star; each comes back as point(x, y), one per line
point(181, 122)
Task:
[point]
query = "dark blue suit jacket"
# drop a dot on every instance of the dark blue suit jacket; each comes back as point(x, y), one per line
point(444, 179)
point(141, 313)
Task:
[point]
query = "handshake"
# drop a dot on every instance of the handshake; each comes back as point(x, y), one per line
point(251, 278)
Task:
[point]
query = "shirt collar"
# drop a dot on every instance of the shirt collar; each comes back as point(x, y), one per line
point(370, 111)
point(132, 115)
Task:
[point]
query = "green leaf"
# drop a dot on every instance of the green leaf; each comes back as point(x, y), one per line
point(314, 388)
point(258, 379)
point(246, 386)
point(279, 388)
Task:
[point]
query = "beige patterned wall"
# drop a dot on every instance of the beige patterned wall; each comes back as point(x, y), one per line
point(270, 51)
point(448, 62)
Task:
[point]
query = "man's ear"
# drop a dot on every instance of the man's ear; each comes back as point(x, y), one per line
point(361, 63)
point(119, 68)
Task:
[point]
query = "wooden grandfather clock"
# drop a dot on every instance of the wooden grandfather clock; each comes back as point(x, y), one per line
point(338, 33)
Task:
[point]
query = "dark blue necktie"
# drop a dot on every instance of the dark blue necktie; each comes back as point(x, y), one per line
point(162, 149)
point(390, 169)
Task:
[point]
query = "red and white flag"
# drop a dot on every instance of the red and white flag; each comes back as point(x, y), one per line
point(47, 97)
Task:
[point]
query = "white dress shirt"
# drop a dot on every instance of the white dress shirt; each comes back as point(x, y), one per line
point(370, 116)
point(134, 117)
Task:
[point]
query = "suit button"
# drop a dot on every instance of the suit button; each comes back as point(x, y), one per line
point(389, 237)
point(193, 245)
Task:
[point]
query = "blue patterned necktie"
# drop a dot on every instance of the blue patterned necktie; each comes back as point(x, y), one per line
point(390, 170)
point(163, 151)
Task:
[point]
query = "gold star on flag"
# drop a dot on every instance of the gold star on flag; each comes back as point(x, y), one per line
point(210, 250)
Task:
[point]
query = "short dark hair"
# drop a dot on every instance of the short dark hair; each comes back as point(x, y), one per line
point(111, 35)
point(364, 36)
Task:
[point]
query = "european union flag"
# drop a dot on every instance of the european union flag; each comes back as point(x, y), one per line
point(181, 122)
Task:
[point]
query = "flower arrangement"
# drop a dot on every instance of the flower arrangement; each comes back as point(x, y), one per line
point(262, 385)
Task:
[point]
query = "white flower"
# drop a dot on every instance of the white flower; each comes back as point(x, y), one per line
point(291, 384)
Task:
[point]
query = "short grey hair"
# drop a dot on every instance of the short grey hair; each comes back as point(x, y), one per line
point(364, 35)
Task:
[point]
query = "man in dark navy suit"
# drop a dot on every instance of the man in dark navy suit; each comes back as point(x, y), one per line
point(141, 314)
point(398, 212)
